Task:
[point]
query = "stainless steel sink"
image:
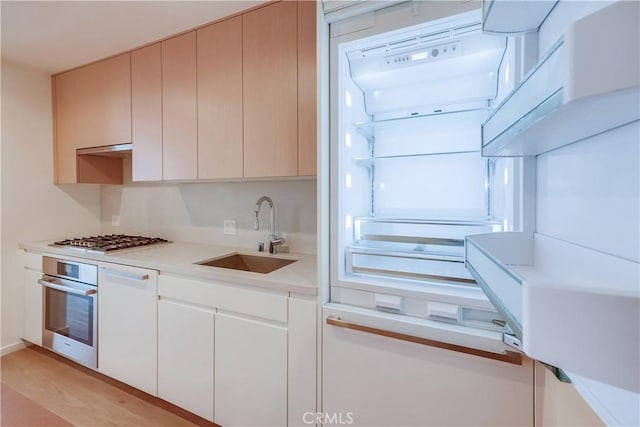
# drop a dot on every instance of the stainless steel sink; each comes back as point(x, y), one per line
point(253, 263)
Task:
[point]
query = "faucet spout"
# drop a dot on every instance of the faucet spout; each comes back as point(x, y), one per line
point(274, 239)
point(272, 222)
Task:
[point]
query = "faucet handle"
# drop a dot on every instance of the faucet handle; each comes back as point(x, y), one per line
point(274, 242)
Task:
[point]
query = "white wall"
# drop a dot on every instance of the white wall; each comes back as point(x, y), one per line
point(195, 212)
point(32, 207)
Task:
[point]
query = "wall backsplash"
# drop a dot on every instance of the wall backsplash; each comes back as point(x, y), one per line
point(195, 212)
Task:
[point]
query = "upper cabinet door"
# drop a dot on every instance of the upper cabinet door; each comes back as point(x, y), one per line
point(270, 90)
point(307, 88)
point(92, 109)
point(146, 113)
point(179, 108)
point(220, 100)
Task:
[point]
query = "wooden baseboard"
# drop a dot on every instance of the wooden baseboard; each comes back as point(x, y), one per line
point(12, 347)
point(199, 421)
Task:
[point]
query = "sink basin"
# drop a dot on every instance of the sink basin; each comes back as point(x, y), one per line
point(253, 263)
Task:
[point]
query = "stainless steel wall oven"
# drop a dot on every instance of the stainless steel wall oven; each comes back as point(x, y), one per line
point(70, 291)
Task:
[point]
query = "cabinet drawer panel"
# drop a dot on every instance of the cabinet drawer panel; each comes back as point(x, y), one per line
point(146, 110)
point(360, 368)
point(250, 373)
point(185, 357)
point(220, 100)
point(32, 324)
point(270, 90)
point(33, 261)
point(307, 88)
point(127, 321)
point(225, 296)
point(179, 108)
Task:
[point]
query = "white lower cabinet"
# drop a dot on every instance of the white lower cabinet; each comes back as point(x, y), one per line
point(127, 325)
point(372, 380)
point(32, 317)
point(185, 356)
point(250, 373)
point(302, 360)
point(236, 355)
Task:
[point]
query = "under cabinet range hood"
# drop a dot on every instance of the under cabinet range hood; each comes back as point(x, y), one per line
point(117, 150)
point(102, 165)
point(429, 72)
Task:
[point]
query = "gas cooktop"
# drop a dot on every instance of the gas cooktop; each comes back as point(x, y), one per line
point(110, 242)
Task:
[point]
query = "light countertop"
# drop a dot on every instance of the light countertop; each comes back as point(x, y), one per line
point(179, 258)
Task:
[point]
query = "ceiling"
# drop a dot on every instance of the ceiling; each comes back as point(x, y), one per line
point(57, 35)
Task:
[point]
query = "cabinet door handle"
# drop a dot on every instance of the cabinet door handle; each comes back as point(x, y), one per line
point(507, 356)
point(125, 274)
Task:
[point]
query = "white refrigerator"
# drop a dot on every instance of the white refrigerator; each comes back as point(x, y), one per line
point(452, 131)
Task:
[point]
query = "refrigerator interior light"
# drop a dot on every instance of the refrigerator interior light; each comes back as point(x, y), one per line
point(347, 180)
point(347, 98)
point(348, 221)
point(506, 176)
point(347, 140)
point(507, 72)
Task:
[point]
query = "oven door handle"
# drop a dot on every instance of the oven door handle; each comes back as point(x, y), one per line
point(52, 283)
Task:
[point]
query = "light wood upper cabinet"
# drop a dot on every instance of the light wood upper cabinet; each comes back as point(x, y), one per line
point(307, 88)
point(146, 113)
point(92, 109)
point(234, 99)
point(179, 108)
point(270, 90)
point(219, 55)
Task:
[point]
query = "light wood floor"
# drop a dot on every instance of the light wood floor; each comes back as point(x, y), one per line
point(40, 388)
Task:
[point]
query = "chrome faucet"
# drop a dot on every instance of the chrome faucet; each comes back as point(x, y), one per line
point(274, 239)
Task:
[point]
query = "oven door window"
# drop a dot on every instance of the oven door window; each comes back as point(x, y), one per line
point(70, 315)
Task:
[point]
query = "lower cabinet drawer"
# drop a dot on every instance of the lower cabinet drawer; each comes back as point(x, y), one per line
point(270, 305)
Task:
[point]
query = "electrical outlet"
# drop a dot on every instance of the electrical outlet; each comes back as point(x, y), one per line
point(115, 220)
point(230, 226)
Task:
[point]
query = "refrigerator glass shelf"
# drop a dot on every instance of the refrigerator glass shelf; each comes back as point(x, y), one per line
point(413, 248)
point(406, 265)
point(367, 129)
point(368, 161)
point(503, 17)
point(540, 115)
